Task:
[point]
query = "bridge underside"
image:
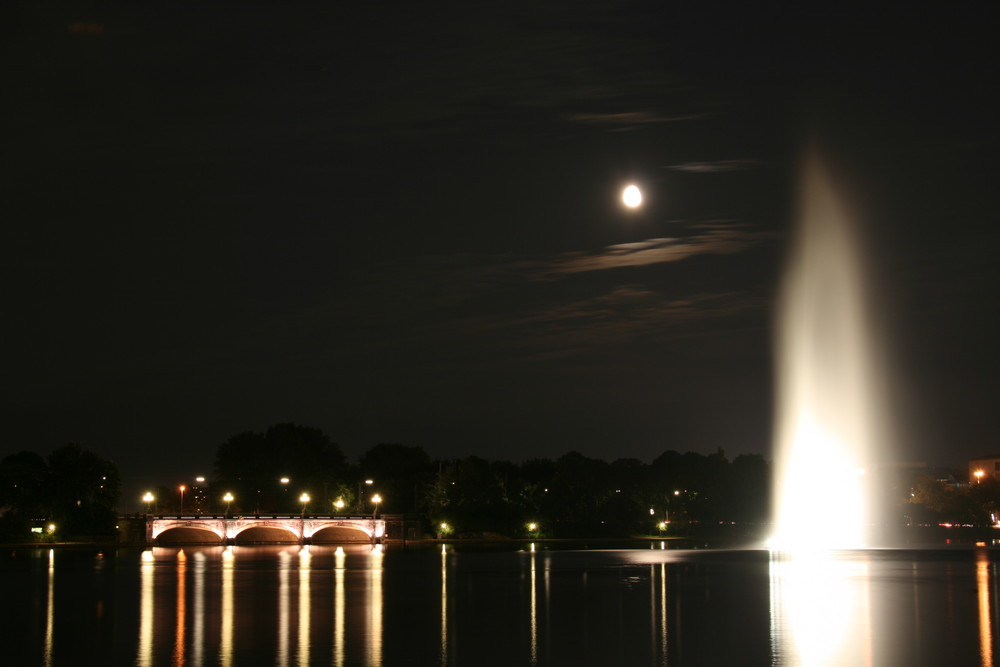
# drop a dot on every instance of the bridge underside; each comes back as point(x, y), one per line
point(339, 534)
point(186, 535)
point(266, 534)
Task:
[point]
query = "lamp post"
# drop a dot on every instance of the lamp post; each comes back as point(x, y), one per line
point(339, 504)
point(148, 498)
point(182, 490)
point(368, 482)
point(229, 501)
point(376, 499)
point(304, 499)
point(979, 476)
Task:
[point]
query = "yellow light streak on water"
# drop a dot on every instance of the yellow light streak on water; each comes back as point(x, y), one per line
point(181, 622)
point(985, 616)
point(534, 608)
point(339, 607)
point(284, 616)
point(146, 610)
point(444, 605)
point(226, 631)
point(198, 633)
point(50, 608)
point(304, 606)
point(375, 608)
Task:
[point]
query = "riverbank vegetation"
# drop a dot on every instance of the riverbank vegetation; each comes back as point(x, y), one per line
point(291, 468)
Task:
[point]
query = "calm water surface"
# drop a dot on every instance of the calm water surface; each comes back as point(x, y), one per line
point(355, 605)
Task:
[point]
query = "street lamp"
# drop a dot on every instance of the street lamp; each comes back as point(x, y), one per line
point(376, 499)
point(979, 476)
point(339, 504)
point(182, 489)
point(360, 501)
point(304, 499)
point(148, 498)
point(229, 501)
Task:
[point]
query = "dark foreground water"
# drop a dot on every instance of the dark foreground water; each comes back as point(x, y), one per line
point(323, 605)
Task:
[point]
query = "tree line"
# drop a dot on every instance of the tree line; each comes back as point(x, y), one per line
point(573, 495)
point(71, 492)
point(569, 496)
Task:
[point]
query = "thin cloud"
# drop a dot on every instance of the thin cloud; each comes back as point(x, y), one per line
point(716, 167)
point(630, 118)
point(623, 315)
point(713, 240)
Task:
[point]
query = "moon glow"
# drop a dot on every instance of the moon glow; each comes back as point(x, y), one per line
point(632, 197)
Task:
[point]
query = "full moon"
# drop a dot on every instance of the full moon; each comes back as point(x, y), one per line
point(632, 196)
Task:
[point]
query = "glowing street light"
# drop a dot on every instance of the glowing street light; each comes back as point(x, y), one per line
point(360, 498)
point(532, 527)
point(339, 504)
point(51, 528)
point(376, 499)
point(182, 490)
point(229, 501)
point(304, 499)
point(979, 476)
point(148, 499)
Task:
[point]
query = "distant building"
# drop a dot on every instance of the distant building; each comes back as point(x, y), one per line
point(983, 467)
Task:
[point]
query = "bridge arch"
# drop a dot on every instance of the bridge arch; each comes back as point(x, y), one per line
point(178, 528)
point(188, 535)
point(266, 533)
point(340, 534)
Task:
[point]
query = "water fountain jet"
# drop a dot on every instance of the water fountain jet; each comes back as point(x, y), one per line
point(830, 430)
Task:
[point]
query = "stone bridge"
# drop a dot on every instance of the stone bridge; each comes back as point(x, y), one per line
point(289, 527)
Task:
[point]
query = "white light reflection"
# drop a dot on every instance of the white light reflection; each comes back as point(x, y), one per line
point(375, 608)
point(198, 632)
point(985, 618)
point(144, 656)
point(284, 560)
point(181, 609)
point(304, 609)
point(444, 606)
point(50, 608)
point(226, 633)
point(339, 607)
point(820, 611)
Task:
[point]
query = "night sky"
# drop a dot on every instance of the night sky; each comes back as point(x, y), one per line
point(400, 221)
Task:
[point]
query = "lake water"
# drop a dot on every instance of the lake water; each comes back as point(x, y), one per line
point(519, 605)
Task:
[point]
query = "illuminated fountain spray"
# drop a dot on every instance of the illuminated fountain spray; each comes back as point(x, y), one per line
point(830, 408)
